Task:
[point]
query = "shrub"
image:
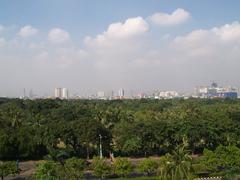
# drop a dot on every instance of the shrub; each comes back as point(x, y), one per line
point(48, 170)
point(148, 166)
point(7, 168)
point(74, 168)
point(122, 166)
point(100, 167)
point(223, 161)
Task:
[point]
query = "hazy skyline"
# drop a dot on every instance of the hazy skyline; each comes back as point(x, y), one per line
point(93, 45)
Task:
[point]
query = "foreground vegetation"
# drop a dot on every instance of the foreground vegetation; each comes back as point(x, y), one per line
point(51, 129)
point(223, 162)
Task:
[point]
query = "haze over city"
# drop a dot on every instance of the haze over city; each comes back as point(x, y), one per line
point(119, 90)
point(90, 46)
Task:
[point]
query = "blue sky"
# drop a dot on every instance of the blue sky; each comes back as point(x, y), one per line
point(103, 45)
point(89, 17)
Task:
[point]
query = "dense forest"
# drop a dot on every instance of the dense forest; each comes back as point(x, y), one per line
point(66, 133)
point(30, 129)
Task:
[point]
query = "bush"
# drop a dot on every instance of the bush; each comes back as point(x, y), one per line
point(71, 169)
point(100, 167)
point(48, 170)
point(148, 166)
point(122, 166)
point(223, 161)
point(7, 168)
point(74, 168)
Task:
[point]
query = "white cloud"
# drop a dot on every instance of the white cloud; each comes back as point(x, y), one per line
point(179, 16)
point(27, 31)
point(228, 32)
point(58, 35)
point(194, 38)
point(132, 27)
point(211, 41)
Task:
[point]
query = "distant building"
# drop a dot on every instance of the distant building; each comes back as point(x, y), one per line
point(31, 95)
point(64, 93)
point(214, 91)
point(58, 93)
point(201, 90)
point(61, 93)
point(228, 95)
point(141, 95)
point(121, 93)
point(214, 85)
point(168, 94)
point(100, 94)
point(112, 95)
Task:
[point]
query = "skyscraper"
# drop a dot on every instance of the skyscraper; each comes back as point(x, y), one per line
point(121, 93)
point(31, 95)
point(64, 93)
point(61, 93)
point(58, 93)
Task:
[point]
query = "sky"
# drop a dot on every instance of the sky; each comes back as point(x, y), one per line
point(104, 45)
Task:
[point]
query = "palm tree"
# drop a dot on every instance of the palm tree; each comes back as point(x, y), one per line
point(176, 166)
point(57, 155)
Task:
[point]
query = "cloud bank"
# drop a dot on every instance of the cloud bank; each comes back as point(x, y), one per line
point(125, 55)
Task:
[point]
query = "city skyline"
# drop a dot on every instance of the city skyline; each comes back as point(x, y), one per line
point(211, 90)
point(91, 46)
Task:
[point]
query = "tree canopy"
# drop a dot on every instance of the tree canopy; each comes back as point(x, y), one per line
point(30, 128)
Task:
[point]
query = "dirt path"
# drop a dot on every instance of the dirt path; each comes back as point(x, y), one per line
point(27, 170)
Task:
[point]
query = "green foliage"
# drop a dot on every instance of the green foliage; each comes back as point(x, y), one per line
point(199, 168)
point(74, 168)
point(51, 170)
point(100, 167)
point(148, 166)
point(122, 167)
point(29, 128)
point(224, 161)
point(177, 165)
point(48, 170)
point(57, 155)
point(131, 146)
point(7, 168)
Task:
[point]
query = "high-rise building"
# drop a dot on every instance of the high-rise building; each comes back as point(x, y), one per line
point(58, 93)
point(121, 93)
point(64, 93)
point(101, 94)
point(61, 93)
point(31, 95)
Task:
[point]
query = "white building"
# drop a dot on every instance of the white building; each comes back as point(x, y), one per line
point(121, 93)
point(58, 93)
point(64, 93)
point(168, 94)
point(100, 94)
point(201, 90)
point(61, 93)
